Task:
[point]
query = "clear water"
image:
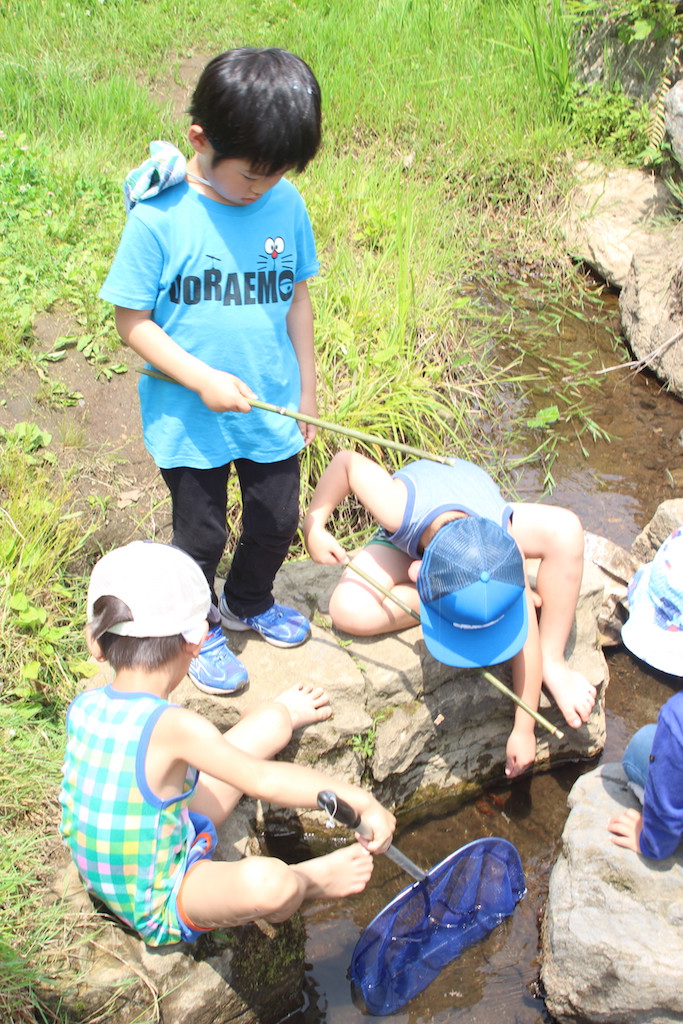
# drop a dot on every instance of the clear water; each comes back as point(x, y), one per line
point(615, 491)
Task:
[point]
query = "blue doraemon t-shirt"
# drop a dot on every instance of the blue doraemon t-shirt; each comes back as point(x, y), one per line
point(219, 280)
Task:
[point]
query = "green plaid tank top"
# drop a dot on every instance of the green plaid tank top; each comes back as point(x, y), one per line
point(129, 846)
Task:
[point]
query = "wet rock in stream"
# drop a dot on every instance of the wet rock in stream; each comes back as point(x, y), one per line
point(613, 930)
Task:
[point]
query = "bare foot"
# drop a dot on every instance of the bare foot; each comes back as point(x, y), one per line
point(337, 874)
point(306, 704)
point(572, 692)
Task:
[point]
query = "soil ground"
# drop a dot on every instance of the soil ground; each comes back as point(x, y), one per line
point(97, 441)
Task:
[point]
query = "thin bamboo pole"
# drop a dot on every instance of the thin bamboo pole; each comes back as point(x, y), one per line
point(357, 435)
point(483, 672)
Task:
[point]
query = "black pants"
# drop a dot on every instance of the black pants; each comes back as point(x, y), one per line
point(270, 516)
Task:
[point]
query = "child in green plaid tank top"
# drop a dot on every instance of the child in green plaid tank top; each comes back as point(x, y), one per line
point(146, 782)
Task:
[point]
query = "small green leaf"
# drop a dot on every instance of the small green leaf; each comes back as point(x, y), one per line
point(544, 417)
point(642, 28)
point(84, 669)
point(32, 617)
point(18, 602)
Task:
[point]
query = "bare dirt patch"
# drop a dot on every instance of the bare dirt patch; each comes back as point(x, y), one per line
point(97, 441)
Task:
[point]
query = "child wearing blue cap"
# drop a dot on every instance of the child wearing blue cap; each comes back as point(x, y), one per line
point(451, 547)
point(653, 759)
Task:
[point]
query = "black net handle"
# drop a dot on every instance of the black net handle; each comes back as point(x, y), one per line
point(344, 814)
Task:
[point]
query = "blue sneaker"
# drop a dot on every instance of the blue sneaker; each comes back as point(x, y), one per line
point(280, 625)
point(216, 669)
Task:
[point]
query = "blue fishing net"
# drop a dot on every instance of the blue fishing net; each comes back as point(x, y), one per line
point(427, 925)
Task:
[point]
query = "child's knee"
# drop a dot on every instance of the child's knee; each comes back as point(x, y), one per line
point(570, 529)
point(277, 893)
point(345, 608)
point(574, 528)
point(207, 547)
point(565, 534)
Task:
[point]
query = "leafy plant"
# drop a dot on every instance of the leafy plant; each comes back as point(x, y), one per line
point(29, 438)
point(363, 743)
point(41, 541)
point(611, 120)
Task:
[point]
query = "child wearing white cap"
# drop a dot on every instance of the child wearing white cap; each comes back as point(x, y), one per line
point(653, 759)
point(146, 781)
point(452, 547)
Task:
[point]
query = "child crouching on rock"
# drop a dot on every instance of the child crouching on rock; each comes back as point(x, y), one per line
point(146, 781)
point(453, 549)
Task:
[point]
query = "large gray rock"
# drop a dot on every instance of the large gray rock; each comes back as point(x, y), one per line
point(651, 307)
point(612, 935)
point(616, 567)
point(612, 215)
point(667, 518)
point(403, 725)
point(673, 119)
point(605, 54)
point(623, 224)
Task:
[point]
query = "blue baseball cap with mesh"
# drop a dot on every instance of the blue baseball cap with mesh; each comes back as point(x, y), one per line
point(471, 584)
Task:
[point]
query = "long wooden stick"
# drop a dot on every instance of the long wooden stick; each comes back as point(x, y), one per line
point(357, 435)
point(483, 672)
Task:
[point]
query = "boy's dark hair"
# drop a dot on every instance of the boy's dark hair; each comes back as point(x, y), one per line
point(259, 105)
point(147, 654)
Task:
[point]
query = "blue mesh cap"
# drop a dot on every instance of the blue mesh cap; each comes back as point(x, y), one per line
point(473, 605)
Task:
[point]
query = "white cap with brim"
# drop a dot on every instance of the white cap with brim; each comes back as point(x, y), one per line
point(165, 590)
point(473, 604)
point(654, 629)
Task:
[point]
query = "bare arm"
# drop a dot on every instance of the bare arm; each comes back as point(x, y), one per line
point(218, 390)
point(351, 473)
point(526, 683)
point(183, 736)
point(300, 330)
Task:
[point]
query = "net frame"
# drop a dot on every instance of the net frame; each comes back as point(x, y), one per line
point(427, 925)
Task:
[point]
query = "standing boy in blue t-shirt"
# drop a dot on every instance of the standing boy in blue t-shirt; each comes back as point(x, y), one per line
point(209, 284)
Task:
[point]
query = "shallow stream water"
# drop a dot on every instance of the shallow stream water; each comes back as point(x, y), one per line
point(615, 491)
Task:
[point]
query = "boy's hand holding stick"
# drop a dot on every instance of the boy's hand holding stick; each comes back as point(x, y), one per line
point(357, 435)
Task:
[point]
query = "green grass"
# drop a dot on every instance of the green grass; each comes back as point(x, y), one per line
point(441, 306)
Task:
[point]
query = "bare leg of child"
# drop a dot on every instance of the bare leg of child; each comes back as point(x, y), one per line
point(263, 731)
point(226, 894)
point(359, 608)
point(555, 535)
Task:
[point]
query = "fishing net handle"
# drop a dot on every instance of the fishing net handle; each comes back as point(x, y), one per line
point(344, 814)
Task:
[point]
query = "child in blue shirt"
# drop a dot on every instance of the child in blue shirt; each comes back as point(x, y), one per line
point(653, 759)
point(210, 288)
point(452, 548)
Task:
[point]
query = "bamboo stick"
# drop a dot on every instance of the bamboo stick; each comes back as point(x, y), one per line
point(357, 435)
point(483, 672)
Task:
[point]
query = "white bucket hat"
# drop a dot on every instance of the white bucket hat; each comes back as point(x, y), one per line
point(165, 590)
point(654, 629)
